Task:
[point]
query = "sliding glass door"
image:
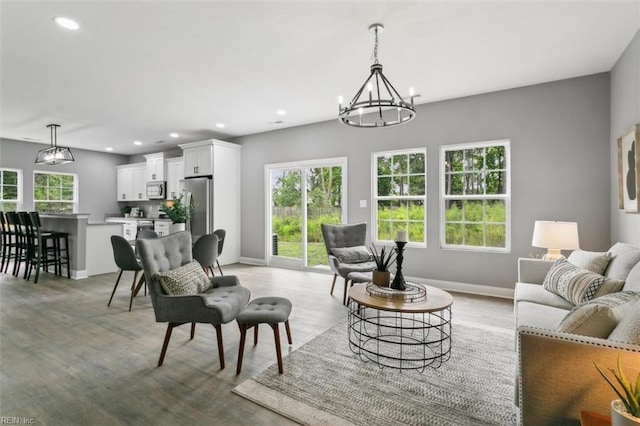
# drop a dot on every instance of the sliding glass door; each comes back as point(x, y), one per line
point(300, 197)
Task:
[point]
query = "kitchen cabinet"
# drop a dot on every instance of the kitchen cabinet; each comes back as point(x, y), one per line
point(162, 227)
point(129, 227)
point(198, 159)
point(175, 176)
point(155, 167)
point(131, 182)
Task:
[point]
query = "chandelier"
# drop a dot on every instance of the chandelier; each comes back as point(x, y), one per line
point(380, 105)
point(55, 154)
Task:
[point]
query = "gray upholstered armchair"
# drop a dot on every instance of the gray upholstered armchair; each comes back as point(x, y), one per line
point(342, 262)
point(217, 305)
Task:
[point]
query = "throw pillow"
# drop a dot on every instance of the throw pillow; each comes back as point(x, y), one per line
point(632, 282)
point(593, 261)
point(628, 329)
point(577, 285)
point(187, 279)
point(623, 258)
point(355, 254)
point(598, 317)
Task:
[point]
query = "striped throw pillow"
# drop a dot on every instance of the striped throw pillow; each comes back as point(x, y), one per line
point(187, 279)
point(578, 285)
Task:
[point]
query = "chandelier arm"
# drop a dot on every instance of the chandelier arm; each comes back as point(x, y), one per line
point(359, 92)
point(392, 90)
point(379, 97)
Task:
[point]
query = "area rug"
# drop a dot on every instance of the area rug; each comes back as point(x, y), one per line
point(324, 383)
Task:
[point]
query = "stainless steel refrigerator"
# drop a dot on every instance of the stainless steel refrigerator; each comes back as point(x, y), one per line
point(199, 193)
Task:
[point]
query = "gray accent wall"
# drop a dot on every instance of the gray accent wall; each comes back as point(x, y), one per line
point(96, 175)
point(625, 112)
point(558, 132)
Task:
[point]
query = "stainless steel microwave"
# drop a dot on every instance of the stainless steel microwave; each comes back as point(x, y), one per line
point(156, 190)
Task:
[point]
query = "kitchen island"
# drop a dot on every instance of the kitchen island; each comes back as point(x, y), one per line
point(90, 249)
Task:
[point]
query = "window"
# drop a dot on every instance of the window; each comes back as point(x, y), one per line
point(475, 197)
point(400, 196)
point(54, 192)
point(10, 190)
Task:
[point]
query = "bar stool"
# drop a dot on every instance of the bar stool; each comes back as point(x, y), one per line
point(60, 244)
point(39, 254)
point(264, 310)
point(18, 244)
point(7, 241)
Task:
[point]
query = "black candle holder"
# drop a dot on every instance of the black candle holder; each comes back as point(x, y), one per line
point(398, 280)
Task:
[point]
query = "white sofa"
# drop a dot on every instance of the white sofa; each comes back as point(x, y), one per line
point(557, 378)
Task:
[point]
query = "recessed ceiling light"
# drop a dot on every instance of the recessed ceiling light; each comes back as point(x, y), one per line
point(67, 23)
point(220, 125)
point(108, 148)
point(137, 143)
point(174, 135)
point(281, 112)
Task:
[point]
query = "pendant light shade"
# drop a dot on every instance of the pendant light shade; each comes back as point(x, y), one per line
point(55, 154)
point(377, 103)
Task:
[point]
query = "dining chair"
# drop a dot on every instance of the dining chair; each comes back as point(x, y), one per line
point(126, 260)
point(221, 233)
point(205, 251)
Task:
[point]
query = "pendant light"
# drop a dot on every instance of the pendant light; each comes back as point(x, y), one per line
point(377, 103)
point(55, 154)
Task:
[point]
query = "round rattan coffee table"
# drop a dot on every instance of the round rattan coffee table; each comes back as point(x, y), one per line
point(399, 333)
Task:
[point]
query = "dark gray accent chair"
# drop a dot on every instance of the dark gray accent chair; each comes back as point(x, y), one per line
point(216, 306)
point(340, 236)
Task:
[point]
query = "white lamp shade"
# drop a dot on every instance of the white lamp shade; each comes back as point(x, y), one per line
point(556, 235)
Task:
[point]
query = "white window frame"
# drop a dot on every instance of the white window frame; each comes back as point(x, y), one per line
point(75, 201)
point(20, 185)
point(506, 196)
point(375, 197)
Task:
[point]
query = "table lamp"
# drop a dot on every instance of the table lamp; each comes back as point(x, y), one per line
point(555, 236)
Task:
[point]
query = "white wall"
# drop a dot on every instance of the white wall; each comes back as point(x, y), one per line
point(625, 112)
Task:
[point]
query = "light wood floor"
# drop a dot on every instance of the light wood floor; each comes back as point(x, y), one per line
point(65, 358)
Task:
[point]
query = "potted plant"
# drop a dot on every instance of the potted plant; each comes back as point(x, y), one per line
point(178, 212)
point(626, 410)
point(384, 258)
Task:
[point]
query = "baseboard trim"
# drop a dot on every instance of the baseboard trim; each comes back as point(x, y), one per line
point(482, 290)
point(79, 275)
point(252, 261)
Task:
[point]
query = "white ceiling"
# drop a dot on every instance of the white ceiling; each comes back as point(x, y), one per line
point(140, 70)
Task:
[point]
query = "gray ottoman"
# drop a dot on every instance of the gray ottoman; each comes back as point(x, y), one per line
point(264, 310)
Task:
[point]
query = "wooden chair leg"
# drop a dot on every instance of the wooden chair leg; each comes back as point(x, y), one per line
point(243, 336)
point(193, 330)
point(114, 288)
point(346, 287)
point(167, 336)
point(276, 334)
point(255, 335)
point(333, 284)
point(133, 289)
point(218, 328)
point(142, 282)
point(219, 268)
point(286, 326)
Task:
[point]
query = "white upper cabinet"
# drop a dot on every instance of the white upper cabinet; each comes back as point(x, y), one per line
point(198, 159)
point(155, 167)
point(175, 176)
point(131, 182)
